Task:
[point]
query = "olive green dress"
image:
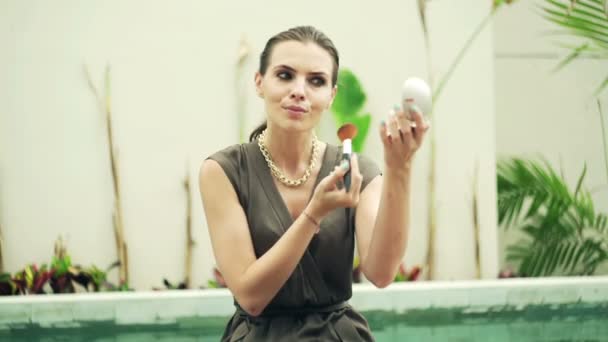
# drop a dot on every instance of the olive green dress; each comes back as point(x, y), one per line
point(312, 304)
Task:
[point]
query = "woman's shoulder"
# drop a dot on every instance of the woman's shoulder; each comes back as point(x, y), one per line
point(234, 152)
point(233, 159)
point(232, 162)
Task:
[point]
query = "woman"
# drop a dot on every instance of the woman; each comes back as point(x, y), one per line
point(281, 225)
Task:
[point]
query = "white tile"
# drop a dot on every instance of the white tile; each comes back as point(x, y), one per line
point(560, 295)
point(135, 312)
point(15, 313)
point(524, 296)
point(452, 298)
point(598, 294)
point(94, 311)
point(46, 313)
point(488, 297)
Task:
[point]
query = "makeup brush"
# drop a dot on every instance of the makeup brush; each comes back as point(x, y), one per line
point(347, 133)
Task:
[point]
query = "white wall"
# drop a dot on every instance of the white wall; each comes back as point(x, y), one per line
point(173, 104)
point(539, 112)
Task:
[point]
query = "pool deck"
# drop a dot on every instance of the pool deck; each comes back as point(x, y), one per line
point(153, 307)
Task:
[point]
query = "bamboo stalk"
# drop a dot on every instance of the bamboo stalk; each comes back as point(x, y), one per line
point(120, 244)
point(437, 91)
point(189, 239)
point(105, 105)
point(243, 53)
point(1, 256)
point(431, 209)
point(125, 258)
point(476, 227)
point(604, 142)
point(60, 249)
point(432, 212)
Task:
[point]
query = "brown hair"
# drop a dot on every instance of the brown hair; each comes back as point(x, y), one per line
point(301, 34)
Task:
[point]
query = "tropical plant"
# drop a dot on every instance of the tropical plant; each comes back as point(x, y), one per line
point(65, 275)
point(171, 286)
point(217, 281)
point(402, 274)
point(564, 233)
point(58, 277)
point(348, 104)
point(93, 279)
point(586, 20)
point(356, 270)
point(437, 90)
point(1, 248)
point(99, 279)
point(405, 275)
point(31, 280)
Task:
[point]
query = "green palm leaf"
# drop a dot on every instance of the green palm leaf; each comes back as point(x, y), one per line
point(568, 257)
point(564, 233)
point(519, 180)
point(586, 20)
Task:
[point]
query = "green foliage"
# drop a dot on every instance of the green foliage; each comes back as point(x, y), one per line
point(498, 3)
point(350, 97)
point(218, 280)
point(171, 286)
point(98, 278)
point(30, 280)
point(60, 277)
point(564, 234)
point(347, 105)
point(213, 284)
point(405, 275)
point(61, 265)
point(586, 20)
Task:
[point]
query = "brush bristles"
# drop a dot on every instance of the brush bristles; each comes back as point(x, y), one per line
point(347, 131)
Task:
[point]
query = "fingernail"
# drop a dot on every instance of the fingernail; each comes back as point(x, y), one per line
point(344, 165)
point(396, 108)
point(382, 123)
point(416, 109)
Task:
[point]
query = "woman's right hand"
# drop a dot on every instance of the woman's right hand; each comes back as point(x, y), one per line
point(328, 196)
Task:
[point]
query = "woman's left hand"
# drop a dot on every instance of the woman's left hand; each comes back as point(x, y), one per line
point(400, 139)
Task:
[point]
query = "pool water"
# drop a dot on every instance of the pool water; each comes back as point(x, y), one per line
point(568, 322)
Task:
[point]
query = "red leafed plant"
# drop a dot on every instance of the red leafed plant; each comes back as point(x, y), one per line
point(405, 275)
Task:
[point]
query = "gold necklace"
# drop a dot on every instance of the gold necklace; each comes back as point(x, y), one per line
point(278, 173)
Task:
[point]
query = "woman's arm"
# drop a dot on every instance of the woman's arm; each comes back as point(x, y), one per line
point(382, 226)
point(383, 214)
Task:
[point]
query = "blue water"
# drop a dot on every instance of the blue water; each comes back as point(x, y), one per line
point(572, 322)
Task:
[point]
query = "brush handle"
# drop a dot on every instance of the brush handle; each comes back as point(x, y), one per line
point(346, 156)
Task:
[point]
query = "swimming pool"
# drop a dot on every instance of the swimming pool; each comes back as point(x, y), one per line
point(549, 309)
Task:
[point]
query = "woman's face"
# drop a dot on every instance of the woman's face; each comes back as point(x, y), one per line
point(296, 87)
